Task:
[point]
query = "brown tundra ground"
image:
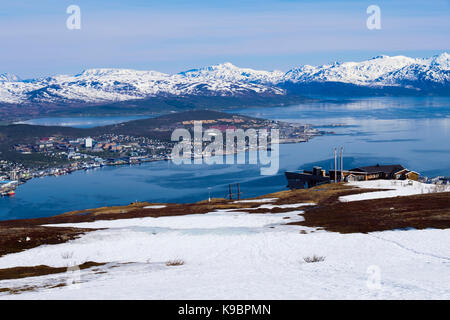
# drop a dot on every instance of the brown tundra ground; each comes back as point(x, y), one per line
point(418, 211)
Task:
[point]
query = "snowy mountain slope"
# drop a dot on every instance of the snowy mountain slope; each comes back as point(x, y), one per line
point(9, 77)
point(433, 70)
point(378, 71)
point(229, 72)
point(350, 72)
point(16, 91)
point(106, 85)
point(113, 85)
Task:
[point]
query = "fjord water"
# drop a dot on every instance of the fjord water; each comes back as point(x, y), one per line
point(83, 122)
point(414, 132)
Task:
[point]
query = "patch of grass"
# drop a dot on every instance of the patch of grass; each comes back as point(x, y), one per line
point(420, 211)
point(174, 263)
point(41, 270)
point(313, 259)
point(19, 290)
point(13, 234)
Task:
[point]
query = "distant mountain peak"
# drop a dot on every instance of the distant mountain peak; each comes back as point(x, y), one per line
point(99, 85)
point(383, 56)
point(442, 60)
point(227, 65)
point(99, 72)
point(229, 72)
point(9, 77)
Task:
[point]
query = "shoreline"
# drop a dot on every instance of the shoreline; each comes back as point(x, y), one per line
point(65, 170)
point(325, 211)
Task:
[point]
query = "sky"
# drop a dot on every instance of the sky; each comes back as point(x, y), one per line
point(173, 35)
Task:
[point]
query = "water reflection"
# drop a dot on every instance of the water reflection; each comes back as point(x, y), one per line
point(413, 132)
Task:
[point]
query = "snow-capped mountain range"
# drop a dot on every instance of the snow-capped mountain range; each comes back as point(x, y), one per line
point(112, 85)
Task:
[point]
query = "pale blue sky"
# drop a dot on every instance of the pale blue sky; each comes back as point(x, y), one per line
point(174, 35)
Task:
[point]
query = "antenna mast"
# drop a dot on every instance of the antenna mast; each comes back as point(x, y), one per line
point(335, 165)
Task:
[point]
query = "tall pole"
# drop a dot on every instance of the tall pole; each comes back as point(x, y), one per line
point(229, 190)
point(238, 192)
point(342, 163)
point(335, 165)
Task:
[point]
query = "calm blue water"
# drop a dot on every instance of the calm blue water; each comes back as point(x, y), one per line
point(83, 122)
point(410, 131)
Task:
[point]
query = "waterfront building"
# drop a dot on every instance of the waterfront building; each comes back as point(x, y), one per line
point(88, 143)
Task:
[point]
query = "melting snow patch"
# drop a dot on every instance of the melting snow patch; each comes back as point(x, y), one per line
point(155, 207)
point(256, 200)
point(269, 206)
point(397, 188)
point(285, 206)
point(211, 220)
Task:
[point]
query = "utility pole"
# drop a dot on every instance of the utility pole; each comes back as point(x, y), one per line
point(335, 165)
point(342, 164)
point(238, 192)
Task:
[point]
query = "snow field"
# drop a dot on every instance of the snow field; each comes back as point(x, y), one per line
point(237, 255)
point(398, 188)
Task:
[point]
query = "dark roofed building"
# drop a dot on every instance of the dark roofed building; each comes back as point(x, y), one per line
point(308, 179)
point(380, 171)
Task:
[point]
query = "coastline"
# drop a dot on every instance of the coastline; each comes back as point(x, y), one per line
point(64, 170)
